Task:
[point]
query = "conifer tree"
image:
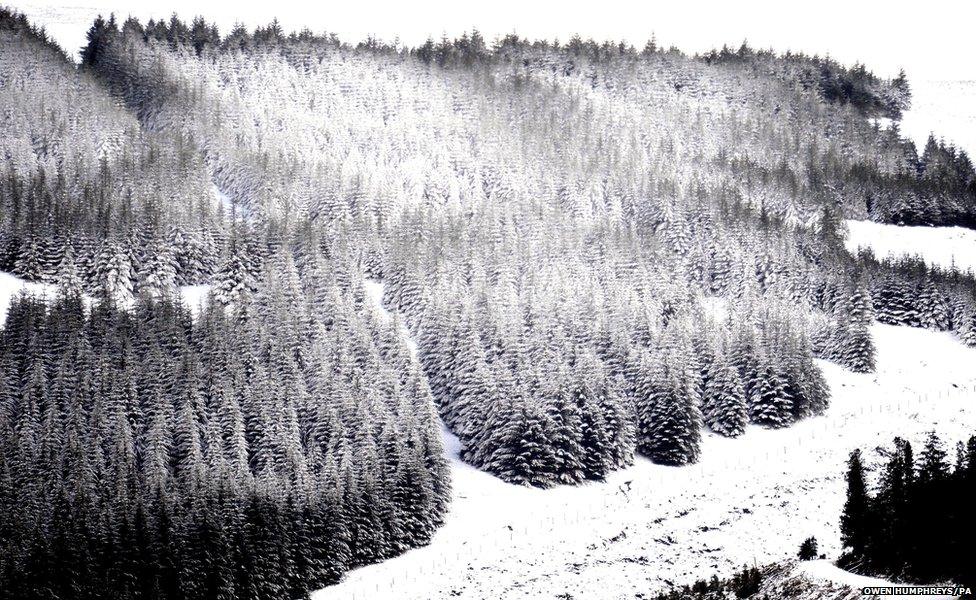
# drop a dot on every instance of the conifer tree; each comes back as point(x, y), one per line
point(854, 525)
point(566, 435)
point(770, 404)
point(114, 274)
point(29, 263)
point(723, 404)
point(524, 454)
point(670, 428)
point(157, 274)
point(932, 307)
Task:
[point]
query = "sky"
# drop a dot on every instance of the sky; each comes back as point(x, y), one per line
point(931, 40)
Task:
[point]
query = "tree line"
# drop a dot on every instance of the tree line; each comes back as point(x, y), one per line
point(559, 367)
point(599, 253)
point(908, 292)
point(77, 163)
point(916, 523)
point(259, 451)
point(463, 221)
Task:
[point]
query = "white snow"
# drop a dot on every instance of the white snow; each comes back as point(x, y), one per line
point(195, 296)
point(940, 246)
point(715, 308)
point(882, 122)
point(374, 290)
point(940, 108)
point(222, 199)
point(10, 285)
point(944, 108)
point(749, 501)
point(226, 203)
point(825, 570)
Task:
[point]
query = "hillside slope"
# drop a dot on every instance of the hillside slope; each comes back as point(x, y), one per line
point(611, 282)
point(650, 527)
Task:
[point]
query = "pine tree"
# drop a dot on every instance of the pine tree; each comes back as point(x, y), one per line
point(855, 522)
point(932, 307)
point(769, 402)
point(524, 455)
point(721, 271)
point(157, 274)
point(813, 393)
point(114, 274)
point(195, 256)
point(967, 329)
point(30, 263)
point(808, 549)
point(888, 301)
point(892, 507)
point(588, 385)
point(723, 404)
point(567, 432)
point(670, 421)
point(932, 465)
point(234, 282)
point(68, 279)
point(859, 353)
point(861, 306)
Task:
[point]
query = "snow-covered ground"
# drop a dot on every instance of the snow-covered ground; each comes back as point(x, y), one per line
point(826, 571)
point(226, 204)
point(821, 579)
point(374, 290)
point(195, 296)
point(940, 108)
point(749, 501)
point(941, 246)
point(945, 108)
point(10, 285)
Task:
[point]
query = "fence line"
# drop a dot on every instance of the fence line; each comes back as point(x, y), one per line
point(544, 521)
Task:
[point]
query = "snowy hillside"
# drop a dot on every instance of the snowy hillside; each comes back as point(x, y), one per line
point(945, 108)
point(648, 527)
point(818, 579)
point(942, 108)
point(825, 572)
point(475, 318)
point(939, 246)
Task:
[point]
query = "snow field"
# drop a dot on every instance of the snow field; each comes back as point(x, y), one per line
point(195, 296)
point(944, 108)
point(10, 285)
point(944, 247)
point(940, 108)
point(749, 501)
